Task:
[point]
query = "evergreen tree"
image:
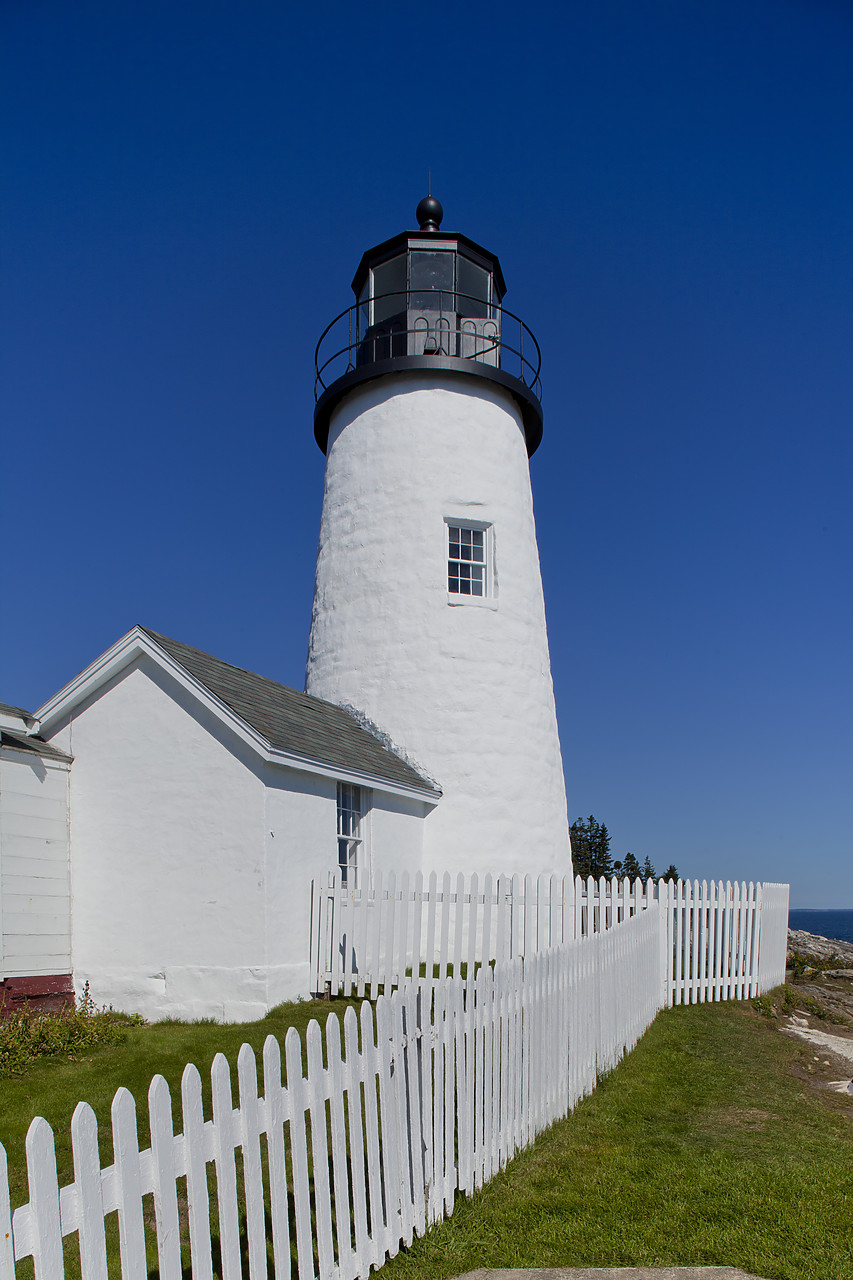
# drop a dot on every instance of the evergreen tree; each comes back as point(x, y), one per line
point(581, 852)
point(631, 867)
point(591, 855)
point(591, 848)
point(602, 864)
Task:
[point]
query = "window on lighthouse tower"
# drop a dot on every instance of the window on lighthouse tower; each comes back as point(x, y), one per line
point(468, 560)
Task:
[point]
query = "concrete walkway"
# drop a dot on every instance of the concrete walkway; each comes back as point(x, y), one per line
point(609, 1273)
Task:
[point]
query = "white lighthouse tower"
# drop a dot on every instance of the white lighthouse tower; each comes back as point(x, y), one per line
point(428, 615)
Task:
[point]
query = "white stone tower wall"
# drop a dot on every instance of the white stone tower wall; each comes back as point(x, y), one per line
point(464, 690)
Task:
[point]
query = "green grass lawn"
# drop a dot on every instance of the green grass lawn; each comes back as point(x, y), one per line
point(708, 1145)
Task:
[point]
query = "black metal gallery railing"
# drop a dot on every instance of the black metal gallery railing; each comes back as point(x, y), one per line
point(439, 323)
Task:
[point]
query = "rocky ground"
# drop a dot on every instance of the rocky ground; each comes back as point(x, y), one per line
point(820, 1007)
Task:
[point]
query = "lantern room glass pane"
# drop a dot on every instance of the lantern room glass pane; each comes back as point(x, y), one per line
point(474, 282)
point(431, 281)
point(389, 289)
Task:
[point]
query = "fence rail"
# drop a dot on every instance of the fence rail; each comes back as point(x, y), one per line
point(722, 941)
point(350, 1156)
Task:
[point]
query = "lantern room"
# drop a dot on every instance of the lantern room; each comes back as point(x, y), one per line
point(428, 300)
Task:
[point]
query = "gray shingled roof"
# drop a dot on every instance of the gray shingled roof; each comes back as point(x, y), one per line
point(16, 711)
point(27, 742)
point(36, 745)
point(293, 721)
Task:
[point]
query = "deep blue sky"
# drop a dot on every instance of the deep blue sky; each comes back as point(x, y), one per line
point(187, 191)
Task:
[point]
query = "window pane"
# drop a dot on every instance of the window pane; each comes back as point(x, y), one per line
point(431, 281)
point(474, 281)
point(389, 278)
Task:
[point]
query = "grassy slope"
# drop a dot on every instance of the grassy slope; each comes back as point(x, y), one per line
point(702, 1148)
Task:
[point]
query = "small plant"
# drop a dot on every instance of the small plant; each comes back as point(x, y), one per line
point(800, 962)
point(792, 999)
point(26, 1035)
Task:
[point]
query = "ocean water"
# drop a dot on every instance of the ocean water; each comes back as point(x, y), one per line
point(827, 924)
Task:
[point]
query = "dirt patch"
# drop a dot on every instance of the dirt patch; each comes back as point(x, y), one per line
point(752, 1118)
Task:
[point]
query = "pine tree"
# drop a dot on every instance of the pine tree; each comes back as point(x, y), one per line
point(631, 867)
point(591, 855)
point(581, 851)
point(591, 848)
point(602, 864)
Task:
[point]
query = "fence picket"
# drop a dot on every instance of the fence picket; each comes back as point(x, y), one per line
point(388, 932)
point(276, 1115)
point(471, 960)
point(340, 1175)
point(198, 1199)
point(87, 1179)
point(374, 961)
point(253, 1180)
point(458, 922)
point(7, 1245)
point(362, 1255)
point(131, 1224)
point(296, 1094)
point(417, 922)
point(225, 1140)
point(315, 1089)
point(429, 950)
point(165, 1182)
point(390, 1161)
point(405, 908)
point(380, 1229)
point(44, 1201)
point(412, 1106)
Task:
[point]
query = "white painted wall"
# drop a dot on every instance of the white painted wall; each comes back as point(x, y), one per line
point(300, 843)
point(166, 854)
point(464, 690)
point(396, 833)
point(34, 888)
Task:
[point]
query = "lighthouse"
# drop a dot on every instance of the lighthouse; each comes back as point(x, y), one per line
point(429, 618)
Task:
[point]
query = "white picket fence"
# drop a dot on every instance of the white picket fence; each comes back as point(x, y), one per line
point(349, 1157)
point(723, 941)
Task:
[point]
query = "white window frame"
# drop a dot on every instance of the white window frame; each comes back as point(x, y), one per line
point(488, 600)
point(353, 859)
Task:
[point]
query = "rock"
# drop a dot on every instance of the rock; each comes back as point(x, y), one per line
point(812, 944)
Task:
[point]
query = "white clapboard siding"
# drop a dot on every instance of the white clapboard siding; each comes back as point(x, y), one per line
point(431, 1093)
point(35, 912)
point(720, 941)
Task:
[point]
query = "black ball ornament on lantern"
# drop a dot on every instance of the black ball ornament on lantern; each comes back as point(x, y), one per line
point(429, 214)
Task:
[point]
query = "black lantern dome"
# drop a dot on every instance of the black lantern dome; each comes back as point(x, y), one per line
point(428, 300)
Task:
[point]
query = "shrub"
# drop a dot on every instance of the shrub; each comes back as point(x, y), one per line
point(26, 1034)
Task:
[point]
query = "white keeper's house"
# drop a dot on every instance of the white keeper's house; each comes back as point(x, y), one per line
point(162, 816)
